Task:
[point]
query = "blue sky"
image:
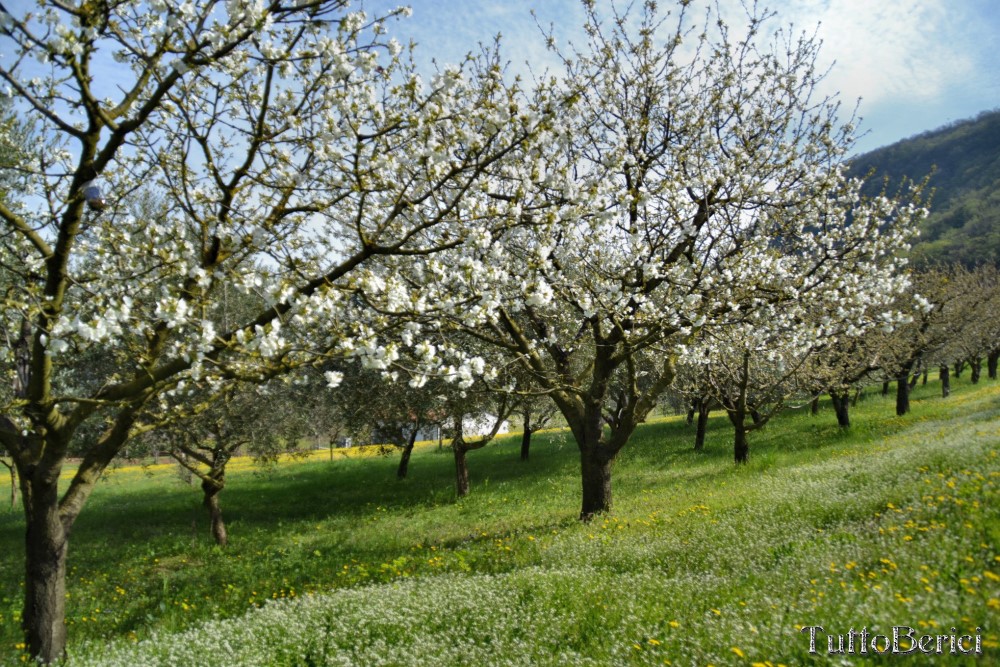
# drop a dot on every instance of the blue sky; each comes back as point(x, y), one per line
point(915, 64)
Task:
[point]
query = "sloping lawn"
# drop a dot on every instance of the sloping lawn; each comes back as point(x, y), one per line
point(893, 523)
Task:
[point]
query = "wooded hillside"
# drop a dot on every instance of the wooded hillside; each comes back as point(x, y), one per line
point(963, 160)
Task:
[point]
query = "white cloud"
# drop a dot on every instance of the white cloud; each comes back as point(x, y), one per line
point(884, 49)
point(890, 49)
point(915, 63)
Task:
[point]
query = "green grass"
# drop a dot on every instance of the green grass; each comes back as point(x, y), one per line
point(895, 522)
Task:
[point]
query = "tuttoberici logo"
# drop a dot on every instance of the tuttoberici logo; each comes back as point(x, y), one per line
point(903, 640)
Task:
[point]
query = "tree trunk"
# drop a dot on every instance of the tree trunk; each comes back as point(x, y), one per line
point(692, 410)
point(945, 375)
point(741, 446)
point(885, 388)
point(841, 406)
point(460, 447)
point(991, 364)
point(903, 391)
point(923, 380)
point(976, 364)
point(704, 408)
point(404, 459)
point(959, 367)
point(461, 471)
point(814, 405)
point(595, 468)
point(914, 380)
point(46, 540)
point(526, 436)
point(48, 520)
point(737, 412)
point(211, 502)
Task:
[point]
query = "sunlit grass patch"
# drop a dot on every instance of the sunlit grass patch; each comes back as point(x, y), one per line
point(893, 522)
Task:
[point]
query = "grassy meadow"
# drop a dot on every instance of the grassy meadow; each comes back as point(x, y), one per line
point(335, 562)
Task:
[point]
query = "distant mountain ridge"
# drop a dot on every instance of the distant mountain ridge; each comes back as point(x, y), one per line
point(963, 160)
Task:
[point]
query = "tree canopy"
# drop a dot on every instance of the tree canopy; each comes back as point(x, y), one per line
point(287, 144)
point(698, 184)
point(678, 181)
